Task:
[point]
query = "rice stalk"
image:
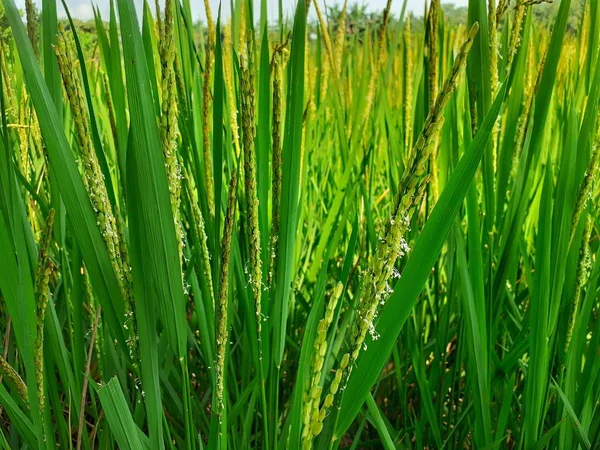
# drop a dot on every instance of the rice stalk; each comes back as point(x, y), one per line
point(110, 110)
point(168, 120)
point(15, 379)
point(431, 40)
point(200, 232)
point(249, 133)
point(500, 10)
point(381, 266)
point(408, 86)
point(242, 30)
point(206, 106)
point(277, 163)
point(230, 90)
point(586, 189)
point(32, 25)
point(495, 83)
point(94, 180)
point(340, 40)
point(11, 99)
point(410, 192)
point(313, 414)
point(584, 264)
point(515, 35)
point(222, 319)
point(378, 68)
point(158, 20)
point(95, 317)
point(525, 118)
point(330, 60)
point(44, 270)
point(85, 379)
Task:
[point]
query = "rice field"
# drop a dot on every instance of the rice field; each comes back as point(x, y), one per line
point(302, 233)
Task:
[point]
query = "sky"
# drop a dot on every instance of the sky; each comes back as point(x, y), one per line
point(82, 9)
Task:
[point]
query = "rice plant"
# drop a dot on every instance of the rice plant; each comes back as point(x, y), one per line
point(326, 231)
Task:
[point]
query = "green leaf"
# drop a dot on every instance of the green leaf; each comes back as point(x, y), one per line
point(119, 416)
point(290, 193)
point(156, 269)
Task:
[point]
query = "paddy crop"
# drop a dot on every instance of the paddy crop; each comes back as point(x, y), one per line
point(333, 230)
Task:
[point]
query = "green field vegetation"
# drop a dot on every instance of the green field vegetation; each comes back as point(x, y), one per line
point(302, 234)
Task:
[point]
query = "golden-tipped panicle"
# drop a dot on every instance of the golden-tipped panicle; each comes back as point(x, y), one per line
point(515, 34)
point(93, 177)
point(168, 119)
point(433, 62)
point(159, 28)
point(381, 55)
point(200, 232)
point(310, 77)
point(15, 379)
point(43, 273)
point(249, 132)
point(340, 40)
point(431, 40)
point(583, 269)
point(325, 34)
point(408, 86)
point(10, 94)
point(206, 107)
point(325, 68)
point(410, 193)
point(495, 83)
point(222, 321)
point(493, 46)
point(328, 59)
point(585, 32)
point(230, 90)
point(311, 412)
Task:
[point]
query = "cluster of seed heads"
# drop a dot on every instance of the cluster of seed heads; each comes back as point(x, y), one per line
point(410, 193)
point(313, 411)
point(249, 132)
point(112, 229)
point(15, 379)
point(278, 59)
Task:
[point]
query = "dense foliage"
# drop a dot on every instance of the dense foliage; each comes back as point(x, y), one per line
point(348, 233)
